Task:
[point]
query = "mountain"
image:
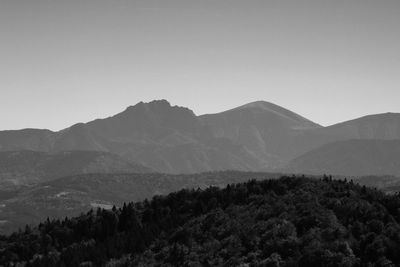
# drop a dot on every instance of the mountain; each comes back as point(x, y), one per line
point(29, 167)
point(156, 122)
point(351, 157)
point(289, 221)
point(263, 128)
point(257, 136)
point(169, 139)
point(166, 138)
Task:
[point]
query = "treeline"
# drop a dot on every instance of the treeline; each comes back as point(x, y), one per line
point(292, 221)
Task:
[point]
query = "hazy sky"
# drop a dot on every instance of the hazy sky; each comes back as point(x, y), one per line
point(63, 62)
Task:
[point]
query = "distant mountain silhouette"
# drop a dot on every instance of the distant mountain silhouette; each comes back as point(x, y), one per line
point(351, 157)
point(172, 139)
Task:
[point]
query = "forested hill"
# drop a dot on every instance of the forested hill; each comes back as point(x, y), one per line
point(285, 222)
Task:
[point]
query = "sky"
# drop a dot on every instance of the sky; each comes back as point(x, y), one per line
point(63, 62)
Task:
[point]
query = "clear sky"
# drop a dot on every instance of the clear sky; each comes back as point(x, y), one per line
point(63, 62)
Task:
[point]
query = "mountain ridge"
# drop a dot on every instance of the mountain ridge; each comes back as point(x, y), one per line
point(257, 136)
point(290, 221)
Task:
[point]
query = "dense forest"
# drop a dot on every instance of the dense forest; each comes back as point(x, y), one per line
point(291, 221)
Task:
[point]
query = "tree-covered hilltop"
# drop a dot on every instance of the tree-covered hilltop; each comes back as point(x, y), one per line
point(291, 221)
point(70, 196)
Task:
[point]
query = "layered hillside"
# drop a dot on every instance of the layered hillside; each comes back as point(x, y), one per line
point(30, 167)
point(352, 157)
point(384, 126)
point(69, 196)
point(27, 139)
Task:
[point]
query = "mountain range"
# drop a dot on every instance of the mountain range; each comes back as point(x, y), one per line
point(144, 150)
point(258, 136)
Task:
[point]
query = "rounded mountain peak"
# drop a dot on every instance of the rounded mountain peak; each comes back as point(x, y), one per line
point(278, 111)
point(261, 105)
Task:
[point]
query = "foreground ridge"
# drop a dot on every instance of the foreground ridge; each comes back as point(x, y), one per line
point(291, 221)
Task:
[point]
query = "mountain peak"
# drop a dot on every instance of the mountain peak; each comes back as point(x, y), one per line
point(163, 102)
point(155, 103)
point(279, 111)
point(157, 106)
point(261, 105)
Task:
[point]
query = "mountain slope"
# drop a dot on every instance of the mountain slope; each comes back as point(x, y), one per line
point(262, 128)
point(384, 126)
point(351, 157)
point(26, 139)
point(375, 127)
point(29, 167)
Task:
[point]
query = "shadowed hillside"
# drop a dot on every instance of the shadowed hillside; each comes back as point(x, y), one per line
point(30, 167)
point(68, 196)
point(353, 157)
